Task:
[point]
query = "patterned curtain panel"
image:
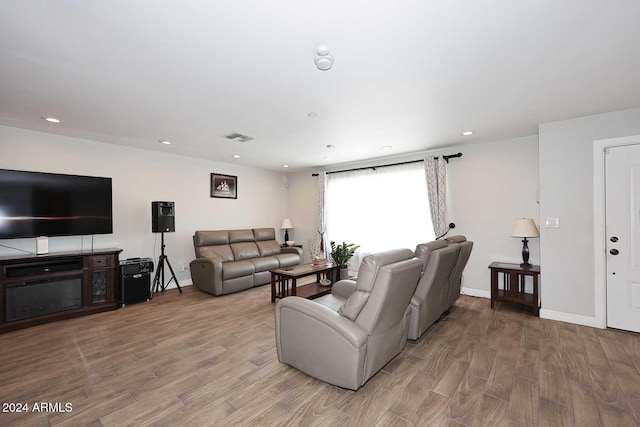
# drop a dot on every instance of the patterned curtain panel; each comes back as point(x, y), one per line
point(436, 172)
point(322, 212)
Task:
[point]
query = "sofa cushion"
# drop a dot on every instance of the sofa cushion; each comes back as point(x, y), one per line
point(261, 234)
point(264, 264)
point(212, 244)
point(234, 269)
point(456, 239)
point(268, 247)
point(223, 252)
point(237, 236)
point(208, 238)
point(244, 250)
point(287, 260)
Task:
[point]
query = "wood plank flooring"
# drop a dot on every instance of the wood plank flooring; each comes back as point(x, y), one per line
point(198, 360)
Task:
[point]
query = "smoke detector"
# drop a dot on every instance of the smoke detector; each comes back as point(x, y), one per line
point(238, 137)
point(324, 60)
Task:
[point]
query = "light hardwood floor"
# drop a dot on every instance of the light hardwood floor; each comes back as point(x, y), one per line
point(195, 359)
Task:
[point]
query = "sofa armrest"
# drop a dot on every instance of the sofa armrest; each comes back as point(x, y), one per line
point(315, 312)
point(344, 288)
point(292, 250)
point(206, 274)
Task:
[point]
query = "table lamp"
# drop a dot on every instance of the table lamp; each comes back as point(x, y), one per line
point(525, 228)
point(286, 225)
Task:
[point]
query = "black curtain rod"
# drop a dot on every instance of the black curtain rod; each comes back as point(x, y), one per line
point(446, 158)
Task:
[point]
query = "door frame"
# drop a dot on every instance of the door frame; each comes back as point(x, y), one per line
point(599, 221)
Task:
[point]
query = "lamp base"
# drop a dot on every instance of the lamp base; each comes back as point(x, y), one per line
point(525, 254)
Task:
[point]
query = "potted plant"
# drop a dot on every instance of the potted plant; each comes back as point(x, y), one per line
point(341, 254)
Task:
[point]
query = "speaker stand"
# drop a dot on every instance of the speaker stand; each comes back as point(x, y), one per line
point(157, 284)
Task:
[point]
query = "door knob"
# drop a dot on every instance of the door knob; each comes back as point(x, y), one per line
point(614, 252)
point(614, 239)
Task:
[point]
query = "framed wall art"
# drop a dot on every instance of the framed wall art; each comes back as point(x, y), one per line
point(224, 186)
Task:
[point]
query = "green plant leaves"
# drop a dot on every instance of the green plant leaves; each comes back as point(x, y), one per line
point(341, 254)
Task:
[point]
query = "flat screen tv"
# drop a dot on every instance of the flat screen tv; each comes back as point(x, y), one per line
point(36, 204)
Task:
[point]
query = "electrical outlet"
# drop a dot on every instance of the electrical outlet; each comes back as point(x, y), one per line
point(552, 222)
point(181, 266)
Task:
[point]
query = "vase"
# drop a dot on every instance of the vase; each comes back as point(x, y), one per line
point(344, 273)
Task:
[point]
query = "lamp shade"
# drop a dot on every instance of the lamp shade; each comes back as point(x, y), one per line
point(286, 224)
point(525, 227)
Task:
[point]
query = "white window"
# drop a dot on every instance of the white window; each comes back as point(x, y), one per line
point(379, 209)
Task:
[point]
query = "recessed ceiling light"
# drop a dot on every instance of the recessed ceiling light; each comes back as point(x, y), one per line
point(285, 166)
point(327, 158)
point(165, 142)
point(313, 115)
point(236, 156)
point(331, 146)
point(468, 133)
point(52, 120)
point(385, 147)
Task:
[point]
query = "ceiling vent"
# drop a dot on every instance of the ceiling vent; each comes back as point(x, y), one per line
point(238, 137)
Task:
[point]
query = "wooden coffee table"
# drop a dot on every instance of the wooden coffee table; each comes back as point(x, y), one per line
point(284, 280)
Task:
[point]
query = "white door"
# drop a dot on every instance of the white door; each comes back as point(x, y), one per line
point(622, 172)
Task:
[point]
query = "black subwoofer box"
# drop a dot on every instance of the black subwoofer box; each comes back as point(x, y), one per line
point(135, 288)
point(135, 279)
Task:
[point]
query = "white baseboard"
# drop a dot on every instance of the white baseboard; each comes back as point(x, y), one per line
point(472, 292)
point(570, 318)
point(544, 314)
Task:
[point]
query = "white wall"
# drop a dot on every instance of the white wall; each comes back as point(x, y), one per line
point(303, 204)
point(140, 177)
point(490, 186)
point(566, 191)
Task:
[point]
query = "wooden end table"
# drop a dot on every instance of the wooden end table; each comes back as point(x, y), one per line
point(513, 280)
point(284, 280)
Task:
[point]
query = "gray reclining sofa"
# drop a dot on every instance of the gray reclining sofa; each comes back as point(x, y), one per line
point(234, 260)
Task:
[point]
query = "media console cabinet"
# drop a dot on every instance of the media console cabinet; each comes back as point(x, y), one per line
point(37, 289)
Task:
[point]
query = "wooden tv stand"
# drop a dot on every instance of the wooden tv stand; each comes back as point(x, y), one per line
point(37, 289)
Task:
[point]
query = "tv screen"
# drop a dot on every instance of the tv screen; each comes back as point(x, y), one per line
point(36, 204)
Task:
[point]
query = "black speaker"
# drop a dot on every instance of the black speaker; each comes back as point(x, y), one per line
point(163, 217)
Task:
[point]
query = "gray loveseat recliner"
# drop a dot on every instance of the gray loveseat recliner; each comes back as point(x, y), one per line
point(234, 260)
point(346, 337)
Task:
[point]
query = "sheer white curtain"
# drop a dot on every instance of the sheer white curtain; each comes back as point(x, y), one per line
point(381, 209)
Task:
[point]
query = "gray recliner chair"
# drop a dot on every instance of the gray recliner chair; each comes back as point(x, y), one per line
point(346, 337)
point(432, 293)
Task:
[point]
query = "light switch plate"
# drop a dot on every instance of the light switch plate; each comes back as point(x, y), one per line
point(552, 222)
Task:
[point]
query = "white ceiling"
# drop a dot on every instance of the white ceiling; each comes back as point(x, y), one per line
point(410, 74)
